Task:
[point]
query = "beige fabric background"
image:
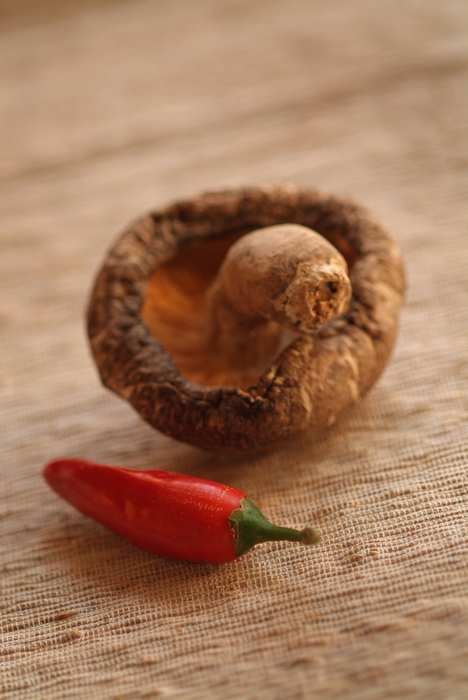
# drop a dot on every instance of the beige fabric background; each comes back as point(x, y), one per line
point(110, 109)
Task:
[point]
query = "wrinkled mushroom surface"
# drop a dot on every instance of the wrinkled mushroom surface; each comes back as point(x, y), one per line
point(155, 306)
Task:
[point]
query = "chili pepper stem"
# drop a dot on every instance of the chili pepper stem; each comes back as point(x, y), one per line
point(250, 527)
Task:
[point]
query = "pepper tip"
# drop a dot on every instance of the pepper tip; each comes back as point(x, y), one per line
point(310, 535)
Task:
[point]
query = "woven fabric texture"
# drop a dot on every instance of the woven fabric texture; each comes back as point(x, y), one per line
point(111, 109)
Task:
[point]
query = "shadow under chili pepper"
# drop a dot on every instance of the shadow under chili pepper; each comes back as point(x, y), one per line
point(99, 562)
point(88, 548)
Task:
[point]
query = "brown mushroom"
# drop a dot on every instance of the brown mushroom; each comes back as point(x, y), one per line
point(229, 320)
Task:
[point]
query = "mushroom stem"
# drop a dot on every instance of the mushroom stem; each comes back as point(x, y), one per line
point(274, 280)
point(250, 527)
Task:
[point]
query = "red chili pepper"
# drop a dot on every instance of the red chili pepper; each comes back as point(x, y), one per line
point(169, 514)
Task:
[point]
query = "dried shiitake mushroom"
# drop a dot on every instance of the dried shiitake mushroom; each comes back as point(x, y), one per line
point(247, 317)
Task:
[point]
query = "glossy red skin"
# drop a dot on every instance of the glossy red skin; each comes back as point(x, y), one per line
point(169, 514)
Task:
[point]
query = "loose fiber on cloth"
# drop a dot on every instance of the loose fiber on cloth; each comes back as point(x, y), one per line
point(111, 109)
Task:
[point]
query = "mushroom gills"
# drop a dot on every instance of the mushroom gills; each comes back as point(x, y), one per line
point(225, 308)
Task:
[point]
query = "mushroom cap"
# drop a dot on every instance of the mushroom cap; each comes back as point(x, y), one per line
point(310, 383)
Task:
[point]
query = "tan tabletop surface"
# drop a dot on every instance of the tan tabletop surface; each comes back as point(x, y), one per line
point(111, 109)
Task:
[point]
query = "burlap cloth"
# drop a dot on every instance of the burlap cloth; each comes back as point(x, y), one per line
point(111, 109)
